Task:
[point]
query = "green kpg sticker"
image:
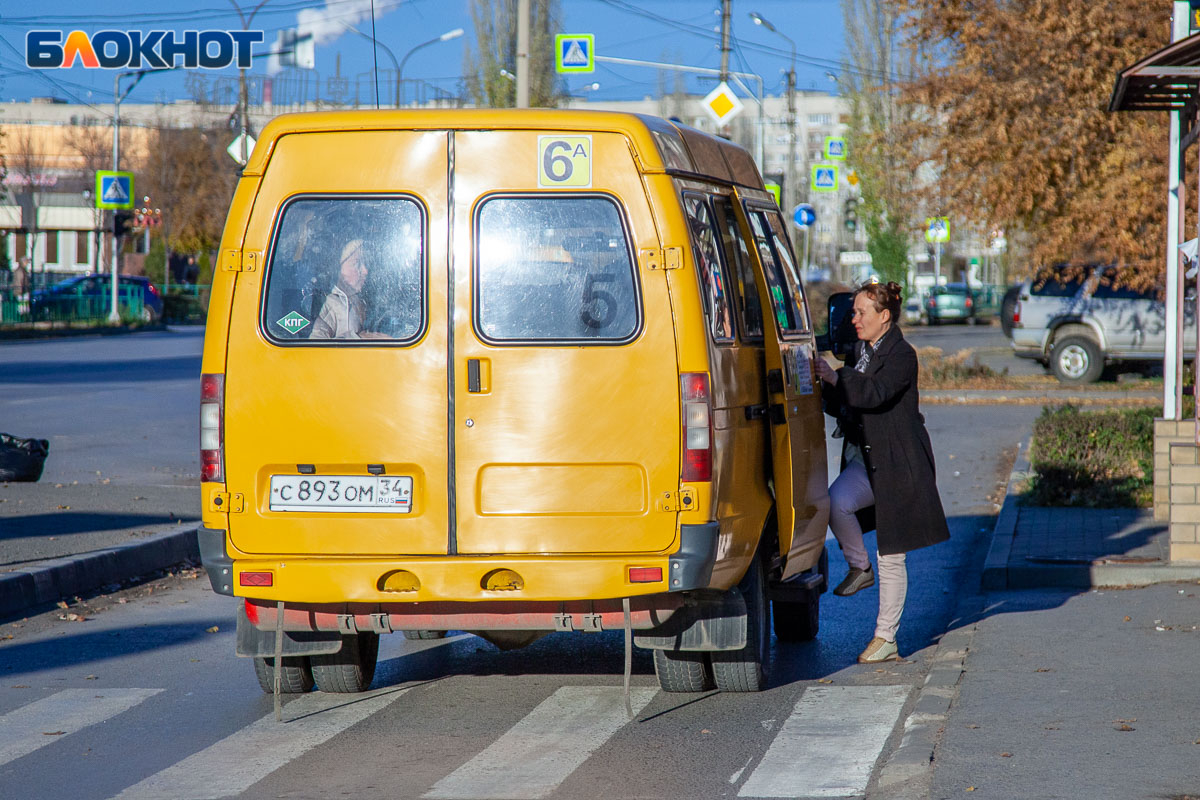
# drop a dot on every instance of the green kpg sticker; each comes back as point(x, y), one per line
point(565, 161)
point(293, 323)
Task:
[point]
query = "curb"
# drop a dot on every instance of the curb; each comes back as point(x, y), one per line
point(1000, 575)
point(50, 581)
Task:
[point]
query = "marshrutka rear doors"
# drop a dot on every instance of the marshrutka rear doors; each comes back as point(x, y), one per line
point(513, 384)
point(794, 401)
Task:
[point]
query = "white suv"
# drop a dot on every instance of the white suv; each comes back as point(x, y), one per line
point(1075, 326)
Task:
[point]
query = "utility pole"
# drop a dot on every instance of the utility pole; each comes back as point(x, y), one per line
point(726, 25)
point(523, 54)
point(243, 98)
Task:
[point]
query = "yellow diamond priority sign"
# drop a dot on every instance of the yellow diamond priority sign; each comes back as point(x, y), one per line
point(722, 104)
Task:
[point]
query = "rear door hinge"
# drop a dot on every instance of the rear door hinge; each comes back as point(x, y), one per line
point(666, 258)
point(229, 503)
point(683, 500)
point(242, 260)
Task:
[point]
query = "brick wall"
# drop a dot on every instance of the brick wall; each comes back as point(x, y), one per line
point(1167, 432)
point(1181, 489)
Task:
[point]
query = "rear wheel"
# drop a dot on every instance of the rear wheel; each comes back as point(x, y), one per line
point(745, 670)
point(683, 671)
point(1077, 360)
point(295, 675)
point(797, 621)
point(424, 635)
point(352, 668)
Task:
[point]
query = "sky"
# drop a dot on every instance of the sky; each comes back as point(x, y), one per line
point(675, 31)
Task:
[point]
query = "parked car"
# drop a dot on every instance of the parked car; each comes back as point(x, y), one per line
point(956, 302)
point(1077, 322)
point(89, 297)
point(913, 313)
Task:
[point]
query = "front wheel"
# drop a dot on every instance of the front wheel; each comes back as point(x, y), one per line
point(352, 668)
point(1077, 360)
point(417, 635)
point(746, 670)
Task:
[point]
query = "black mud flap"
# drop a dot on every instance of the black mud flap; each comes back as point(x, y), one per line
point(710, 621)
point(254, 643)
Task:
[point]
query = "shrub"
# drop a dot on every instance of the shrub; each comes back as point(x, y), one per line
point(936, 368)
point(1100, 459)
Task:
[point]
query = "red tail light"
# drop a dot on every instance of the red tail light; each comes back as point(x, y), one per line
point(153, 289)
point(697, 427)
point(1017, 313)
point(969, 303)
point(212, 428)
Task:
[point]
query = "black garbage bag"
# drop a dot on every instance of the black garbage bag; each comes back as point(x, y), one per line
point(22, 459)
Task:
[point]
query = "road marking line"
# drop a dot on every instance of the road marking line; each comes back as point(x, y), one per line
point(240, 760)
point(829, 744)
point(24, 730)
point(544, 748)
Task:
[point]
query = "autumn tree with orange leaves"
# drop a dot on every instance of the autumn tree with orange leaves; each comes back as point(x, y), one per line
point(1015, 132)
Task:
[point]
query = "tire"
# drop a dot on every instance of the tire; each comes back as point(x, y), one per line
point(797, 621)
point(295, 675)
point(415, 635)
point(683, 671)
point(1007, 306)
point(746, 670)
point(352, 668)
point(1076, 360)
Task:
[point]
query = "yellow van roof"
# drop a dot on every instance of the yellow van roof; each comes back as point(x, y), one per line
point(659, 145)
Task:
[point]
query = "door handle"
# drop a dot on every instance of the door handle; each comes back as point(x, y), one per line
point(756, 411)
point(474, 383)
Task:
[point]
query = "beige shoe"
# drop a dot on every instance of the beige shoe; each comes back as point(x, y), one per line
point(856, 580)
point(879, 650)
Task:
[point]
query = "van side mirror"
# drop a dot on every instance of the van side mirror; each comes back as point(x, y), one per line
point(841, 336)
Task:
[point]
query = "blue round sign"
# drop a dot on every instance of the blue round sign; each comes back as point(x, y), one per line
point(804, 215)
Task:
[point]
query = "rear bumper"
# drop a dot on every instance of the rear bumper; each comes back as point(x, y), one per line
point(460, 579)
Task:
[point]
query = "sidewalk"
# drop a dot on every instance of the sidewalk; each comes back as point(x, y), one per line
point(1077, 547)
point(62, 540)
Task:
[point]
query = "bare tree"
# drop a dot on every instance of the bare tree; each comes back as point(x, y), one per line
point(93, 148)
point(190, 178)
point(28, 159)
point(496, 38)
point(877, 61)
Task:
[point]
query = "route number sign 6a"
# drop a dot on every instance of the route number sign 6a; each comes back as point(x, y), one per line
point(565, 161)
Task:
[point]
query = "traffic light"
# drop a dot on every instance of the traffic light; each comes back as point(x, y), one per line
point(122, 223)
point(850, 214)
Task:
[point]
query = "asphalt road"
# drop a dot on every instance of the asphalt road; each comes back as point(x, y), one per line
point(121, 415)
point(139, 694)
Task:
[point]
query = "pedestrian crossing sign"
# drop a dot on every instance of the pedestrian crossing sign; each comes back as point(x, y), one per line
point(824, 178)
point(835, 148)
point(575, 52)
point(114, 189)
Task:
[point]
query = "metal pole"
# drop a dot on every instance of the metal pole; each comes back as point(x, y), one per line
point(113, 316)
point(523, 54)
point(937, 263)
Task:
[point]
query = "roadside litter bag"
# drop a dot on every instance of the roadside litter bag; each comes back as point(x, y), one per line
point(22, 459)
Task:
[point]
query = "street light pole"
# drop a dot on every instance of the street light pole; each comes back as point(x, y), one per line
point(243, 97)
point(445, 37)
point(386, 50)
point(759, 19)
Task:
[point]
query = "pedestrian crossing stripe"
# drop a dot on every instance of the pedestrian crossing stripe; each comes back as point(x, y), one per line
point(826, 748)
point(114, 189)
point(574, 52)
point(24, 730)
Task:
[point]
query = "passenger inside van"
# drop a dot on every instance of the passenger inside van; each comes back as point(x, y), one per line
point(346, 269)
point(344, 312)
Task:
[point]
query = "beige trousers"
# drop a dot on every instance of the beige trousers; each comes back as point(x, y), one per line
point(850, 492)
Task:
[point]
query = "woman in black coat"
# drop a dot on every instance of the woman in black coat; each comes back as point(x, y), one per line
point(887, 460)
